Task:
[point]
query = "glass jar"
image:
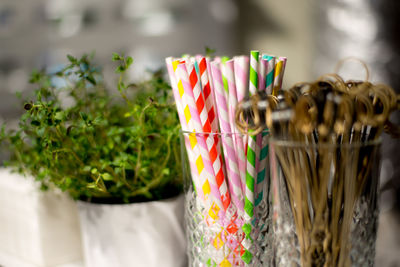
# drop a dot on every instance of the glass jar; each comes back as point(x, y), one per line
point(325, 203)
point(226, 223)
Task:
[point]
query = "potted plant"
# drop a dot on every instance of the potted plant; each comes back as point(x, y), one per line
point(118, 156)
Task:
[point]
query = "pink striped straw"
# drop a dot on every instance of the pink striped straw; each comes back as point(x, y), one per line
point(234, 182)
point(216, 160)
point(241, 68)
point(232, 99)
point(262, 67)
point(199, 146)
point(178, 102)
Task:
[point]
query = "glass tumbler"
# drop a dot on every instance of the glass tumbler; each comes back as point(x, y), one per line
point(227, 205)
point(325, 203)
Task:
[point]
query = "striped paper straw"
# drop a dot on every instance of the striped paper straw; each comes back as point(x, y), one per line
point(262, 67)
point(191, 156)
point(208, 95)
point(216, 160)
point(278, 75)
point(224, 79)
point(208, 73)
point(198, 144)
point(253, 73)
point(269, 79)
point(284, 60)
point(241, 68)
point(251, 171)
point(227, 142)
point(262, 169)
point(238, 141)
point(262, 142)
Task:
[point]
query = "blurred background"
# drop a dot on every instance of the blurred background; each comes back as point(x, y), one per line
point(313, 34)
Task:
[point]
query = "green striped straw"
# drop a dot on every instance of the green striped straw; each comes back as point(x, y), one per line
point(251, 171)
point(260, 186)
point(262, 169)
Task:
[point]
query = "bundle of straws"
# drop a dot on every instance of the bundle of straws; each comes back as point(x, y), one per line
point(228, 176)
point(332, 125)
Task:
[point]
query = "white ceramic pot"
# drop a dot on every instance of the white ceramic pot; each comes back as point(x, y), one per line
point(37, 229)
point(149, 234)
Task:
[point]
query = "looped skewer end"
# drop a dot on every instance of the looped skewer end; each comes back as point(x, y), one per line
point(247, 115)
point(341, 62)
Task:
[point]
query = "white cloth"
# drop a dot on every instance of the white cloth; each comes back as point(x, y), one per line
point(146, 234)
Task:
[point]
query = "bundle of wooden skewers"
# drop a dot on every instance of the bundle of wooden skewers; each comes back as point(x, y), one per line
point(325, 135)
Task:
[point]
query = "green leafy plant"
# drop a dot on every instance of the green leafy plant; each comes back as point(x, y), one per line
point(78, 136)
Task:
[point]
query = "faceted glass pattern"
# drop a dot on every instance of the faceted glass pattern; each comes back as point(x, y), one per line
point(229, 238)
point(326, 204)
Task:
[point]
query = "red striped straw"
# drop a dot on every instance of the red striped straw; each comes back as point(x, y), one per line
point(211, 83)
point(232, 100)
point(216, 160)
point(208, 95)
point(198, 143)
point(235, 186)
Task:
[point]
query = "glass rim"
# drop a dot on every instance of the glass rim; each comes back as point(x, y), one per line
point(184, 132)
point(297, 144)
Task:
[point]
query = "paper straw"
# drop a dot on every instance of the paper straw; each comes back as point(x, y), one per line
point(253, 75)
point(262, 170)
point(208, 73)
point(198, 144)
point(262, 67)
point(223, 73)
point(278, 75)
point(198, 97)
point(269, 79)
point(251, 172)
point(232, 100)
point(215, 158)
point(196, 65)
point(191, 156)
point(208, 95)
point(262, 161)
point(241, 68)
point(227, 142)
point(238, 141)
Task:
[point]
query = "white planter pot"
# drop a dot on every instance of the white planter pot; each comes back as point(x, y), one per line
point(37, 229)
point(148, 234)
